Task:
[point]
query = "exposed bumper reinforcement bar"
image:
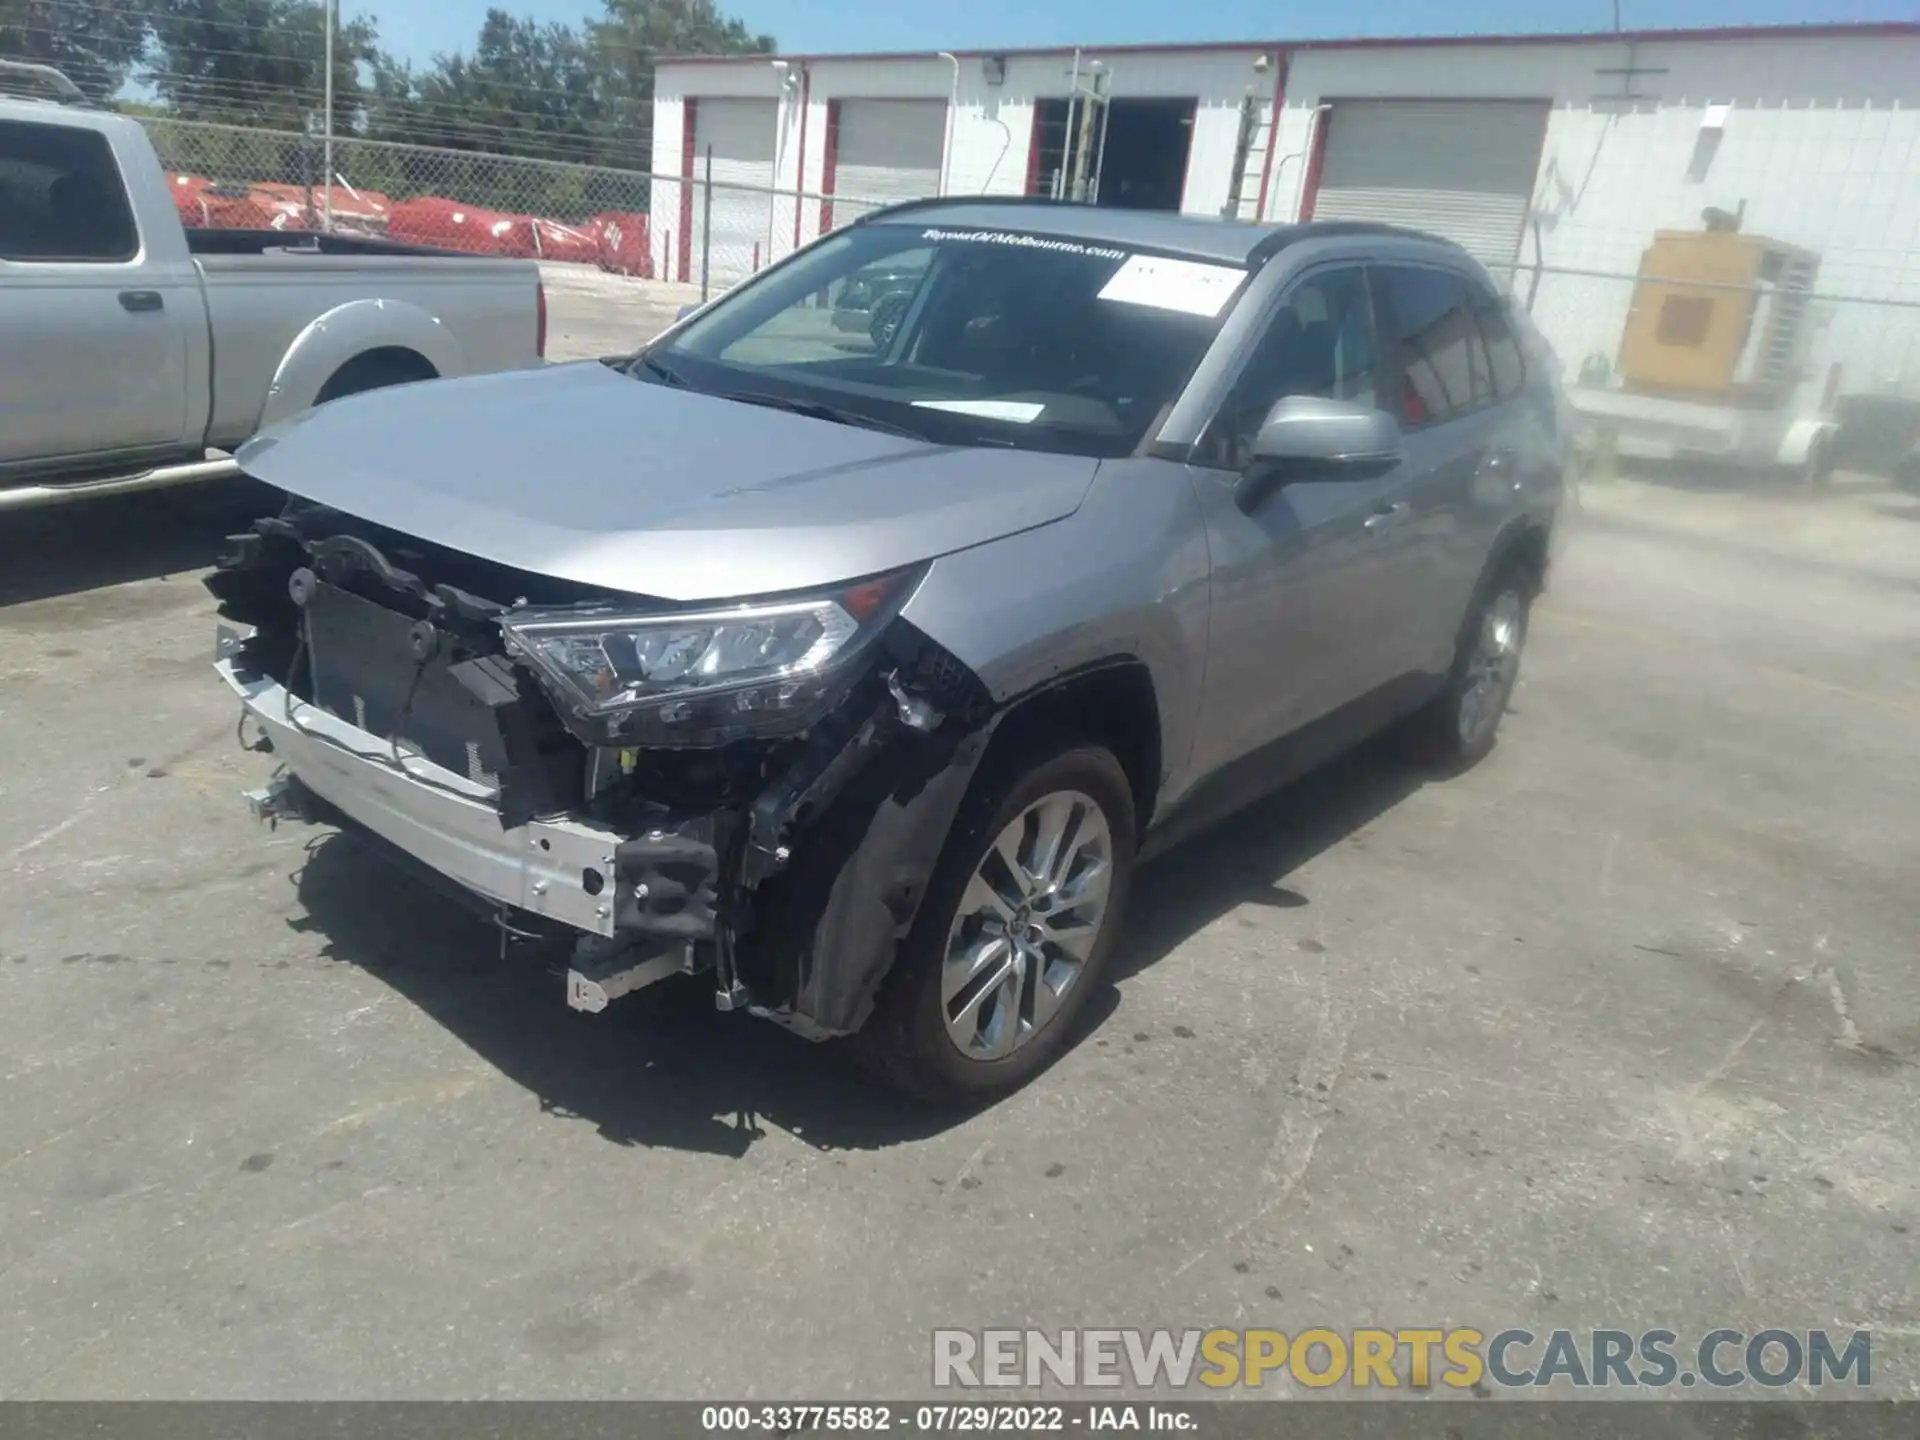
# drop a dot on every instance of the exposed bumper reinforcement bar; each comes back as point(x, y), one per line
point(562, 870)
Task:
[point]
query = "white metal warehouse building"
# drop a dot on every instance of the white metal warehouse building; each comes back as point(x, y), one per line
point(1556, 156)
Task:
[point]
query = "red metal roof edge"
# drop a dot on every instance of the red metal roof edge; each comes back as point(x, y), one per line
point(1818, 30)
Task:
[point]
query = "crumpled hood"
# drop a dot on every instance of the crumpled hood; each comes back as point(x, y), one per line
point(582, 473)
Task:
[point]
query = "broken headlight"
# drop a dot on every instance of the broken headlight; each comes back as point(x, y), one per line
point(697, 677)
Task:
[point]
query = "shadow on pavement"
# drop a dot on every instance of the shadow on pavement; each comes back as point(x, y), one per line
point(661, 1069)
point(1244, 859)
point(666, 1069)
point(90, 544)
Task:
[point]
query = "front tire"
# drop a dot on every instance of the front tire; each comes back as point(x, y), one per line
point(1015, 932)
point(1457, 728)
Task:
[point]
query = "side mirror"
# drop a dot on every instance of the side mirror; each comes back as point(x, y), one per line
point(1307, 438)
point(683, 312)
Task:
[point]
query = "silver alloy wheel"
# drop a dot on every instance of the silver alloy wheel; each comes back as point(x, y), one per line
point(1492, 665)
point(1026, 925)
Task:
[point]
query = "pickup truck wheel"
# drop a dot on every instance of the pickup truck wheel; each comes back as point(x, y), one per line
point(1014, 934)
point(375, 371)
point(1458, 726)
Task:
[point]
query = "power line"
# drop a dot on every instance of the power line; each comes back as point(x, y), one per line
point(404, 152)
point(479, 77)
point(273, 94)
point(440, 134)
point(584, 34)
point(244, 99)
point(556, 149)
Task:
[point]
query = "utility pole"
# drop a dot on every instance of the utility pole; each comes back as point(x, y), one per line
point(1059, 186)
point(1083, 146)
point(331, 15)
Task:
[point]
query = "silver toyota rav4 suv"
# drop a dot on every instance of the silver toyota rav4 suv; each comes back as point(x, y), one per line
point(858, 667)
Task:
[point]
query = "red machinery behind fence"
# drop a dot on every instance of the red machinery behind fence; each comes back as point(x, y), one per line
point(615, 240)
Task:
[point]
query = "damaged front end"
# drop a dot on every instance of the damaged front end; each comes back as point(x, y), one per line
point(759, 791)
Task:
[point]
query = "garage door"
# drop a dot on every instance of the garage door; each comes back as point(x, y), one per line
point(742, 134)
point(1458, 168)
point(887, 150)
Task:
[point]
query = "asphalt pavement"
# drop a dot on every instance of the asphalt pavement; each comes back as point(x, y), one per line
point(1619, 1028)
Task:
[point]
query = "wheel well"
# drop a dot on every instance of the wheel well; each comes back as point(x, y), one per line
point(374, 369)
point(1112, 704)
point(1524, 548)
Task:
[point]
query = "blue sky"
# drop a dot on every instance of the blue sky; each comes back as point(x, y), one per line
point(418, 28)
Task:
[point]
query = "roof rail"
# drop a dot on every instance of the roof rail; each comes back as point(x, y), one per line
point(1284, 235)
point(45, 76)
point(931, 202)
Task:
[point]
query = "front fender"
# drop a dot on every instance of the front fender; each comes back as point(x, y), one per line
point(830, 926)
point(1124, 577)
point(350, 330)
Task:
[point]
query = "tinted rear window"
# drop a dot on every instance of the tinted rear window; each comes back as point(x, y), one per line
point(61, 197)
point(1444, 367)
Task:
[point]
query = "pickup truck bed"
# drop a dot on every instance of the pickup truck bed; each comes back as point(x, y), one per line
point(138, 353)
point(307, 242)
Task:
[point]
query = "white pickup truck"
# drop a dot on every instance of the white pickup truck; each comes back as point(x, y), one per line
point(135, 353)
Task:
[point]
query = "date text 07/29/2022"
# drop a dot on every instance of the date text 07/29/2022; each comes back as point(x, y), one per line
point(981, 1418)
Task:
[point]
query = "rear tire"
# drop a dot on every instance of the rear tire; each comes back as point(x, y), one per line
point(1816, 471)
point(375, 371)
point(1458, 727)
point(989, 983)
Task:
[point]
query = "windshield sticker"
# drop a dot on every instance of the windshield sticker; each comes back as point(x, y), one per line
point(1184, 285)
point(1021, 412)
point(1023, 242)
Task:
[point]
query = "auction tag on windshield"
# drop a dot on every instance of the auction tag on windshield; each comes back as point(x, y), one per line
point(1184, 285)
point(1021, 412)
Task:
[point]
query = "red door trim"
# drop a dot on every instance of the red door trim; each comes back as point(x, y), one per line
point(829, 160)
point(689, 110)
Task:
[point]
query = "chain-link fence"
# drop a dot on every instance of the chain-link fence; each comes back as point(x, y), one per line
point(708, 233)
point(717, 232)
point(1722, 344)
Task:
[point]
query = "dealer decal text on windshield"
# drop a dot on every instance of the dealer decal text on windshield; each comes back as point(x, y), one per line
point(1023, 241)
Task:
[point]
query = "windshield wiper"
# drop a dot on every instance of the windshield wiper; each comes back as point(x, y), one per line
point(815, 410)
point(670, 377)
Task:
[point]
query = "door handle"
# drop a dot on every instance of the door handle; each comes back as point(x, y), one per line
point(1384, 519)
point(141, 300)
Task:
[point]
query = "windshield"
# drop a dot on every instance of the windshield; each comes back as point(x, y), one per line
point(976, 337)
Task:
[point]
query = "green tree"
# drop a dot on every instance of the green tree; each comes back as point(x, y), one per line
point(552, 91)
point(526, 89)
point(94, 43)
point(259, 62)
point(635, 33)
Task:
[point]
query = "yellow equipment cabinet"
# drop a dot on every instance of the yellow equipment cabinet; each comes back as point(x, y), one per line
point(1715, 360)
point(1735, 336)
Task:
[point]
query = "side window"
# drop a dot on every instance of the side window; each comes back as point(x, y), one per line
point(1443, 364)
point(1319, 342)
point(1503, 347)
point(61, 198)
